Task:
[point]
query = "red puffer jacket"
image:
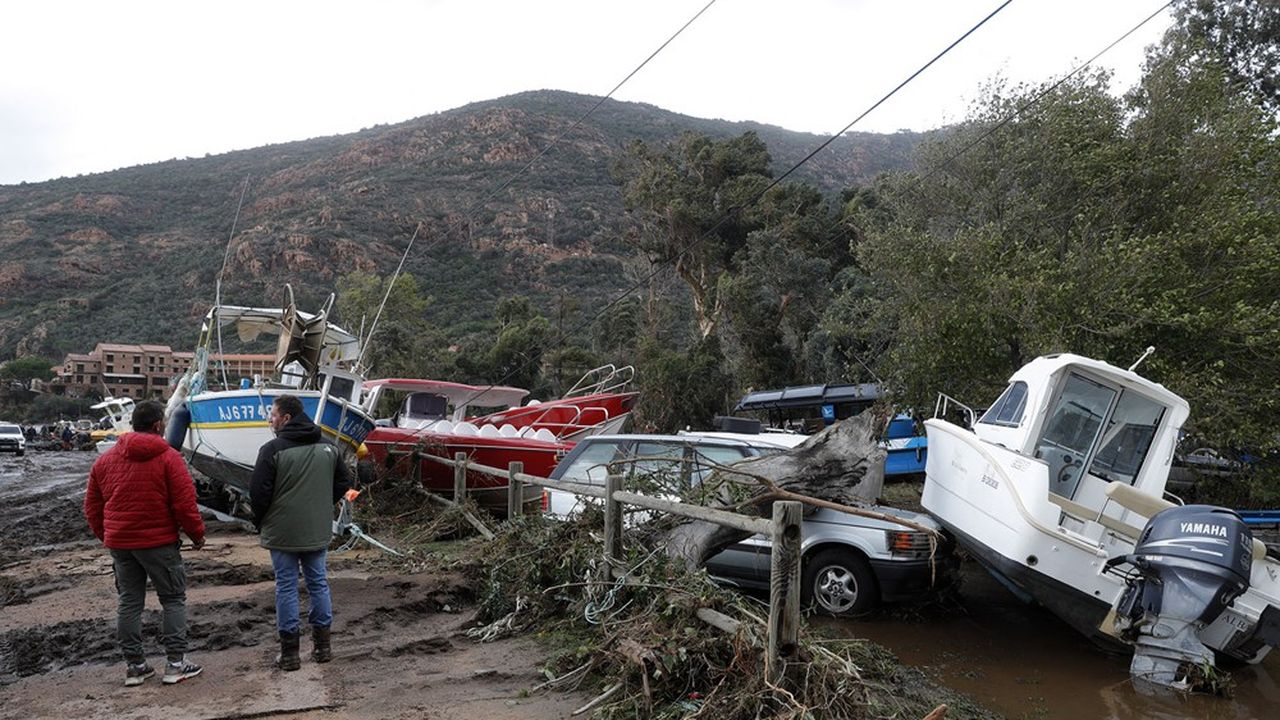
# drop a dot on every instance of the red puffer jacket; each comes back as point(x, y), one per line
point(140, 493)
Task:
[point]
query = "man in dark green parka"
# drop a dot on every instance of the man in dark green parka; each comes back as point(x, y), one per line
point(298, 478)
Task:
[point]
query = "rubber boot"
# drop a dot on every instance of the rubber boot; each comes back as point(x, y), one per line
point(288, 658)
point(321, 652)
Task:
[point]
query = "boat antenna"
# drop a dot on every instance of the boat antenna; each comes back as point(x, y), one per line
point(1150, 349)
point(392, 283)
point(217, 287)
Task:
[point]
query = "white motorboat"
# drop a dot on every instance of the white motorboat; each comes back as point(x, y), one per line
point(116, 421)
point(223, 429)
point(1062, 474)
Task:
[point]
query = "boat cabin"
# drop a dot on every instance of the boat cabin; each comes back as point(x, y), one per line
point(1091, 423)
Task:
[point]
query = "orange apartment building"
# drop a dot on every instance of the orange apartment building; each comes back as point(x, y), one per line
point(146, 371)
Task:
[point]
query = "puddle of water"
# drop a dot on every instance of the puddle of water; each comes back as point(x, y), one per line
point(1021, 661)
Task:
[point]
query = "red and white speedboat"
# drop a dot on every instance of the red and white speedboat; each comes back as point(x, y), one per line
point(433, 418)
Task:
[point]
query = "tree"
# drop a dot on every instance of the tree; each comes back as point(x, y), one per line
point(1090, 226)
point(1244, 36)
point(515, 356)
point(775, 296)
point(685, 205)
point(680, 389)
point(404, 343)
point(27, 368)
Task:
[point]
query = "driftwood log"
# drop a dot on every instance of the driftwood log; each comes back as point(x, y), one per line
point(843, 464)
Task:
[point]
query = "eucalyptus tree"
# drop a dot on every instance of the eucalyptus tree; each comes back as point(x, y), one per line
point(685, 205)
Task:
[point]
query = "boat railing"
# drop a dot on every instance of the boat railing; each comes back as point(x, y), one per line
point(944, 405)
point(570, 425)
point(603, 379)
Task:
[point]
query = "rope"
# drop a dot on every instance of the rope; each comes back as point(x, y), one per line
point(502, 626)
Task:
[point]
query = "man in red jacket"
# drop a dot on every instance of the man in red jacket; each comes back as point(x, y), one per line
point(139, 495)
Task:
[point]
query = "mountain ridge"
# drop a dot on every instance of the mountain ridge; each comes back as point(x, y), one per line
point(71, 248)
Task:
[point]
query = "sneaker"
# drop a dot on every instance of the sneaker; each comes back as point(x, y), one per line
point(136, 674)
point(179, 671)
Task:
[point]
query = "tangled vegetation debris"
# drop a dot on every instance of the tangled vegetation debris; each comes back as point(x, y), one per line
point(644, 640)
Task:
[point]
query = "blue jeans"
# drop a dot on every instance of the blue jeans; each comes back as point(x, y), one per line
point(286, 566)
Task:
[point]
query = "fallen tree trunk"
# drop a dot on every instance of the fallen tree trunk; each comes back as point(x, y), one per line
point(843, 464)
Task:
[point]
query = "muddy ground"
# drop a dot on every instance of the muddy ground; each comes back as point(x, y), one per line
point(400, 648)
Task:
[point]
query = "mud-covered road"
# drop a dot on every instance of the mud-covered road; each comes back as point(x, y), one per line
point(399, 642)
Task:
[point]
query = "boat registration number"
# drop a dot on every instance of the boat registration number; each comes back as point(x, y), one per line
point(1237, 622)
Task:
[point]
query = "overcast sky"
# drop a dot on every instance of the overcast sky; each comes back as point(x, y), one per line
point(94, 85)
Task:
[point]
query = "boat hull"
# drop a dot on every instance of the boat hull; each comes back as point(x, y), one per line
point(997, 505)
point(228, 428)
point(392, 448)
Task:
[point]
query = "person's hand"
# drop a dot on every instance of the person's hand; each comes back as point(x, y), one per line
point(352, 494)
point(197, 544)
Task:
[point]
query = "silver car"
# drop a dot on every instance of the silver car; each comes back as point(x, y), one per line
point(851, 563)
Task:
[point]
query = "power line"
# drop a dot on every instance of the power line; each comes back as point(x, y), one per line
point(1040, 95)
point(470, 212)
point(942, 164)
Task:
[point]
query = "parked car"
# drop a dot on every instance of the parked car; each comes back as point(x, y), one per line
point(850, 564)
point(12, 440)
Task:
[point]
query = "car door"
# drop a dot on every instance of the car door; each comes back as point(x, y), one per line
point(747, 560)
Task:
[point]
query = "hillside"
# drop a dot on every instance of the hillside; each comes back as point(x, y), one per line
point(132, 255)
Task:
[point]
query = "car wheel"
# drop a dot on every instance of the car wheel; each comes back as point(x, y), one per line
point(839, 583)
point(21, 453)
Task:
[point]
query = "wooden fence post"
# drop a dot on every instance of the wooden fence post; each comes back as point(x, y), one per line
point(460, 477)
point(612, 523)
point(784, 588)
point(515, 490)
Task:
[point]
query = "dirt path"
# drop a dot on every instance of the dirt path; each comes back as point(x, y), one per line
point(399, 640)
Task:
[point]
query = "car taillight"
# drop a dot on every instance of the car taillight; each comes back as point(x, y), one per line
point(546, 499)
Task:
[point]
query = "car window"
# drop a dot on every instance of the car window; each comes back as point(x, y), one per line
point(592, 465)
point(719, 455)
point(708, 457)
point(10, 429)
point(663, 462)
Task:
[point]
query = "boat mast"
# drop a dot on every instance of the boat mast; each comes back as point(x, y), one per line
point(217, 288)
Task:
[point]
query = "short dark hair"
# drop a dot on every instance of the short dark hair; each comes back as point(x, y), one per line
point(146, 414)
point(288, 405)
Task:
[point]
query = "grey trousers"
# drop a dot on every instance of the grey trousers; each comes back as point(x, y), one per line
point(163, 566)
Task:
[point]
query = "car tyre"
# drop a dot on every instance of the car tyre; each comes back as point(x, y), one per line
point(839, 583)
point(21, 453)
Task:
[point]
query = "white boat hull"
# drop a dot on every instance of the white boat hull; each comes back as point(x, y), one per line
point(998, 506)
point(228, 428)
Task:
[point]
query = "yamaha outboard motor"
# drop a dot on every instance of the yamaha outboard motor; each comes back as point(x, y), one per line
point(1190, 563)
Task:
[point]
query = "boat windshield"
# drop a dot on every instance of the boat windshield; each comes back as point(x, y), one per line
point(1007, 410)
point(1072, 430)
point(426, 406)
point(1125, 442)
